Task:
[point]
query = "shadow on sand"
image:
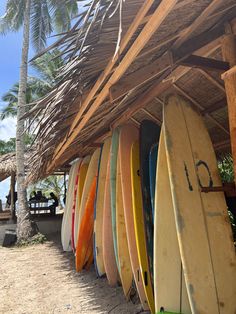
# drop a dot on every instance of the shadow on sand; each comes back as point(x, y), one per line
point(101, 297)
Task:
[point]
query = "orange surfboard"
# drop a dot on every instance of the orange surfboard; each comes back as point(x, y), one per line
point(86, 229)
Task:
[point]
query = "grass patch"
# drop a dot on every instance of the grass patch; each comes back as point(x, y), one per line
point(39, 238)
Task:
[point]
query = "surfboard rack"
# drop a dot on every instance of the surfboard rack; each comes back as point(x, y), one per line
point(225, 188)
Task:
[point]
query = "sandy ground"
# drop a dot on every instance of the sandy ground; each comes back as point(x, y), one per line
point(41, 279)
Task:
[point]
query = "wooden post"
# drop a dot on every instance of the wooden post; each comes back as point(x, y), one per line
point(13, 207)
point(229, 55)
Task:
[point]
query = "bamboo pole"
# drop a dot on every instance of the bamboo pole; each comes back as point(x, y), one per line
point(229, 55)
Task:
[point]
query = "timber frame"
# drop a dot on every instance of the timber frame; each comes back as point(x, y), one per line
point(168, 46)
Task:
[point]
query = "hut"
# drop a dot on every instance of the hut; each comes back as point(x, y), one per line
point(123, 58)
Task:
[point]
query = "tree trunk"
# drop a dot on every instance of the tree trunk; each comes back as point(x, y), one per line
point(25, 227)
point(13, 207)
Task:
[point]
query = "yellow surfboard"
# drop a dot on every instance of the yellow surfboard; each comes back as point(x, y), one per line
point(139, 225)
point(203, 228)
point(169, 284)
point(125, 270)
point(99, 208)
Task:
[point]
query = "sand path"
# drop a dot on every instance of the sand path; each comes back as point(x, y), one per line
point(41, 280)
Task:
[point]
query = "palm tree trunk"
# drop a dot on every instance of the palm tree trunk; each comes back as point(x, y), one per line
point(25, 228)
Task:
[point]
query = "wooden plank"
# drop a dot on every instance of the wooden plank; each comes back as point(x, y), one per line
point(198, 22)
point(229, 54)
point(149, 29)
point(218, 105)
point(204, 63)
point(229, 73)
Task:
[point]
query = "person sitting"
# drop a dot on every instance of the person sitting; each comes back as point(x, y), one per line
point(40, 197)
point(54, 204)
point(33, 197)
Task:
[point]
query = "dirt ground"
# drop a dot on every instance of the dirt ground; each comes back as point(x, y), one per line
point(41, 279)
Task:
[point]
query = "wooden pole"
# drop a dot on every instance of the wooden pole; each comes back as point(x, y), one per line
point(13, 207)
point(229, 55)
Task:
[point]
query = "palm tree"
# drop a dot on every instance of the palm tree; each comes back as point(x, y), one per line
point(47, 67)
point(39, 16)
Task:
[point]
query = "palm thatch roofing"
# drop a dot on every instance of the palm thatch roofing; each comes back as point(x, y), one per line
point(7, 165)
point(123, 59)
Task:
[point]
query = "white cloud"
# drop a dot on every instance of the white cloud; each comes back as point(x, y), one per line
point(7, 129)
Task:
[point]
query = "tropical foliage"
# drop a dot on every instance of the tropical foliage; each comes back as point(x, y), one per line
point(53, 184)
point(46, 16)
point(46, 67)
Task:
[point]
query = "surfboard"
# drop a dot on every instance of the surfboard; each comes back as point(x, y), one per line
point(81, 180)
point(169, 283)
point(83, 249)
point(129, 134)
point(91, 173)
point(74, 208)
point(149, 135)
point(125, 270)
point(139, 225)
point(67, 217)
point(152, 173)
point(113, 170)
point(99, 208)
point(203, 228)
point(107, 236)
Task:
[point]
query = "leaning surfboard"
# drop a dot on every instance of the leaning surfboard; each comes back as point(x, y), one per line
point(107, 236)
point(113, 170)
point(169, 283)
point(149, 135)
point(108, 245)
point(67, 217)
point(99, 208)
point(203, 228)
point(129, 134)
point(139, 225)
point(126, 274)
point(81, 180)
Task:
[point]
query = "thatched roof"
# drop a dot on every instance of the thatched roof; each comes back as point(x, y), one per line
point(133, 90)
point(7, 165)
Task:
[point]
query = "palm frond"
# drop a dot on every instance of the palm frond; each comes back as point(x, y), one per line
point(13, 19)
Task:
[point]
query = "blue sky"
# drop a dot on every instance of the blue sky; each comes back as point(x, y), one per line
point(10, 55)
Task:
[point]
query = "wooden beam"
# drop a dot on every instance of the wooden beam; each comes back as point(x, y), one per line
point(199, 106)
point(151, 93)
point(164, 8)
point(212, 80)
point(229, 73)
point(198, 22)
point(229, 55)
point(218, 105)
point(151, 116)
point(140, 77)
point(204, 63)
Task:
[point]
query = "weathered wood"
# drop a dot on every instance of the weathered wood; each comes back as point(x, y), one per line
point(229, 54)
point(218, 105)
point(205, 63)
point(199, 106)
point(212, 80)
point(152, 92)
point(149, 29)
point(198, 22)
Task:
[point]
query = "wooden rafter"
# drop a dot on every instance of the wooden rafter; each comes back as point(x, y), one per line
point(211, 79)
point(205, 63)
point(198, 22)
point(153, 24)
point(200, 107)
